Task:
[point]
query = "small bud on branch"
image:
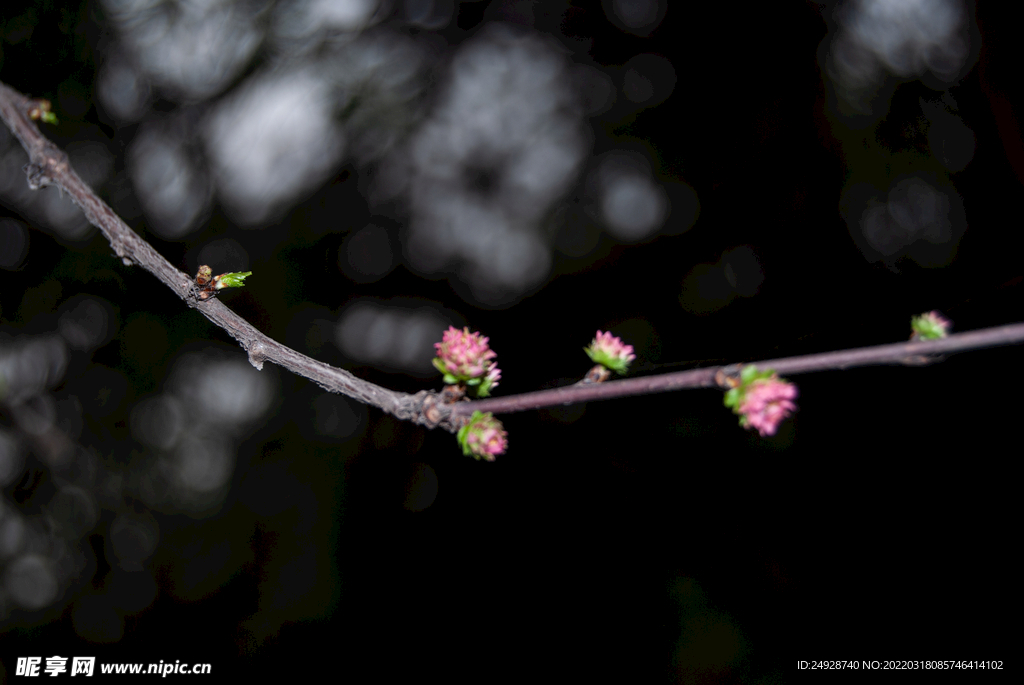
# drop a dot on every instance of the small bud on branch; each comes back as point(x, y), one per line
point(465, 359)
point(609, 351)
point(929, 326)
point(207, 287)
point(41, 111)
point(761, 399)
point(483, 437)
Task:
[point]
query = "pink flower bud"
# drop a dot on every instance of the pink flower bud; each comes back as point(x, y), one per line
point(492, 376)
point(766, 403)
point(608, 350)
point(929, 326)
point(464, 356)
point(483, 437)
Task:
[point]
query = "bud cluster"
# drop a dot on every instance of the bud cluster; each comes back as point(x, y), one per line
point(929, 326)
point(762, 399)
point(465, 358)
point(483, 437)
point(609, 351)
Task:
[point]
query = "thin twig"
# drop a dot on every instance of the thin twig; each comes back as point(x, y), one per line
point(48, 165)
point(913, 352)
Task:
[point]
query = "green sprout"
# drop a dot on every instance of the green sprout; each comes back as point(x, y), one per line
point(42, 111)
point(207, 287)
point(235, 279)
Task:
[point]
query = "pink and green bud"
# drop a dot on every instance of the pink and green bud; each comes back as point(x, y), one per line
point(929, 326)
point(608, 351)
point(762, 400)
point(483, 437)
point(489, 382)
point(464, 357)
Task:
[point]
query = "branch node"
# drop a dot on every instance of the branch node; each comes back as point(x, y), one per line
point(37, 176)
point(257, 354)
point(432, 411)
point(598, 374)
point(728, 377)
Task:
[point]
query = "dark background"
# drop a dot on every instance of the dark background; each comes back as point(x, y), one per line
point(644, 539)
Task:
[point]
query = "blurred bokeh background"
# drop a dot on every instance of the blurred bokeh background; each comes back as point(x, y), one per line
point(713, 183)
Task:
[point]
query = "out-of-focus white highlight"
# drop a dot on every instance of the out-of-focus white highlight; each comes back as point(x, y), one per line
point(122, 91)
point(32, 366)
point(391, 337)
point(36, 415)
point(191, 47)
point(30, 582)
point(223, 391)
point(916, 219)
point(501, 146)
point(343, 14)
point(905, 37)
point(173, 193)
point(303, 26)
point(272, 140)
point(158, 421)
point(632, 205)
point(192, 428)
point(914, 210)
point(86, 325)
point(13, 533)
point(203, 462)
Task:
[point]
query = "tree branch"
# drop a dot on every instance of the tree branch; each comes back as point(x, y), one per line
point(914, 352)
point(49, 165)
